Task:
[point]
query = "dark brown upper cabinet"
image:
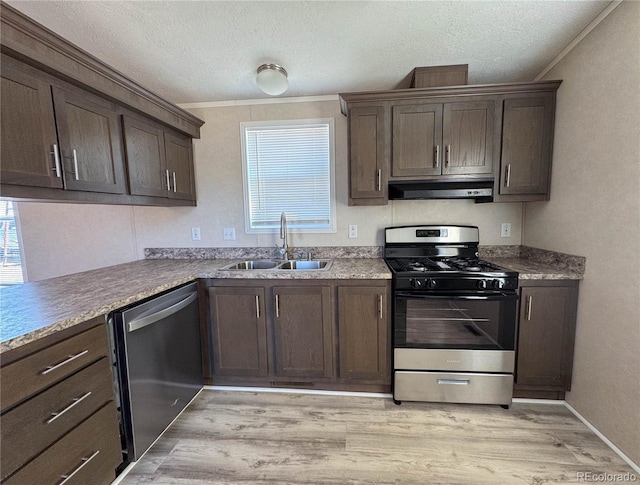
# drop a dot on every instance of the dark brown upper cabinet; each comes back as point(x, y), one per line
point(527, 144)
point(502, 132)
point(368, 154)
point(160, 162)
point(29, 137)
point(90, 148)
point(62, 134)
point(442, 139)
point(58, 138)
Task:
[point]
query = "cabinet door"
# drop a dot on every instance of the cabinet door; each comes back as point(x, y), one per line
point(368, 155)
point(239, 331)
point(468, 137)
point(90, 146)
point(179, 154)
point(363, 330)
point(303, 331)
point(146, 163)
point(527, 142)
point(417, 140)
point(28, 130)
point(545, 336)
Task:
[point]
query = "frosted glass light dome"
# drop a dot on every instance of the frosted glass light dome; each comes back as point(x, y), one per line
point(272, 79)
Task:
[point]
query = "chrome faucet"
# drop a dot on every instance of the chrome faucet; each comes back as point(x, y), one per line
point(284, 250)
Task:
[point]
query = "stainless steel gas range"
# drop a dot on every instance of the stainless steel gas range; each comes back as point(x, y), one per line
point(454, 317)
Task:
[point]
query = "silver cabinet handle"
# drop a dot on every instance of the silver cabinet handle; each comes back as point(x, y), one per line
point(75, 164)
point(448, 155)
point(85, 461)
point(380, 306)
point(277, 306)
point(56, 157)
point(175, 186)
point(76, 401)
point(71, 358)
point(507, 178)
point(168, 182)
point(529, 305)
point(257, 306)
point(455, 382)
point(437, 160)
point(379, 181)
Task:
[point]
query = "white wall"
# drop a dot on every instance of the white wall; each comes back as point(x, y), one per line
point(594, 211)
point(113, 234)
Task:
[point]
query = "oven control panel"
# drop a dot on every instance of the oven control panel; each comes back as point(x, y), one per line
point(467, 283)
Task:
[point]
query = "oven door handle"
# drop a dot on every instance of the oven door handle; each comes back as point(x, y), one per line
point(492, 296)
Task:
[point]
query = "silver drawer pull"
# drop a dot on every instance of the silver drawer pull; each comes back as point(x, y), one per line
point(456, 382)
point(175, 185)
point(75, 165)
point(76, 401)
point(71, 358)
point(85, 461)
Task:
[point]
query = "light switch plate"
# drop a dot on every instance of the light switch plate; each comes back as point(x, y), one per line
point(195, 234)
point(229, 233)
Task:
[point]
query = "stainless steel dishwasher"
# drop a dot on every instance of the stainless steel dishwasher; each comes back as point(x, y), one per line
point(156, 349)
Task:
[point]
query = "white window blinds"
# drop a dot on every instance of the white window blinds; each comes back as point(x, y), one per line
point(288, 168)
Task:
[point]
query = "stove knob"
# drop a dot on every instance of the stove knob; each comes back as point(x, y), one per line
point(497, 284)
point(431, 283)
point(482, 284)
point(416, 283)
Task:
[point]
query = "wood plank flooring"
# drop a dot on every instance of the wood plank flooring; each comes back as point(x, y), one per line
point(231, 437)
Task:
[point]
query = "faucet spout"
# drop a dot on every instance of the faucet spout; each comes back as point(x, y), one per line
point(284, 250)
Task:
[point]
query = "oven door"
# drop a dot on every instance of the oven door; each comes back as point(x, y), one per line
point(455, 320)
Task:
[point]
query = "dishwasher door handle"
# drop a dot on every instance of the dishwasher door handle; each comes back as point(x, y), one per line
point(139, 323)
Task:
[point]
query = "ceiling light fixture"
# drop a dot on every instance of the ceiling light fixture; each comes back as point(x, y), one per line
point(272, 79)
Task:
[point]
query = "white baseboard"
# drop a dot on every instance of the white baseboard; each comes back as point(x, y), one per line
point(616, 450)
point(299, 391)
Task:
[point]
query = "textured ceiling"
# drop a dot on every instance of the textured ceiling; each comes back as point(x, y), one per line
point(196, 51)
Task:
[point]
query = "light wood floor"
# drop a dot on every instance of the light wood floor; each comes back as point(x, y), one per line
point(231, 437)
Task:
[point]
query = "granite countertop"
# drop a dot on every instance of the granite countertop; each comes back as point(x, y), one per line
point(34, 310)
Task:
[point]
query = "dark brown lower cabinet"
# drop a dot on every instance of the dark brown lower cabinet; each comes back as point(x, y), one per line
point(64, 427)
point(364, 334)
point(315, 334)
point(303, 333)
point(546, 337)
point(239, 331)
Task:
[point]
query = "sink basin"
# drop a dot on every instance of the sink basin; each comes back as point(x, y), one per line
point(301, 264)
point(257, 264)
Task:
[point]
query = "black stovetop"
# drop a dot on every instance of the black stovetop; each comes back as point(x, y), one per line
point(433, 266)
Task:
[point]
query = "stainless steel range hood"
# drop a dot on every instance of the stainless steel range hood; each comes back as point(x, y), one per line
point(479, 189)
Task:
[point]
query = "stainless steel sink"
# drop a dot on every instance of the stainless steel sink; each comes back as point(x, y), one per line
point(255, 264)
point(292, 264)
point(302, 264)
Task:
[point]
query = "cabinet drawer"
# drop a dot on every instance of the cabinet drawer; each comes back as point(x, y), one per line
point(27, 376)
point(35, 424)
point(92, 451)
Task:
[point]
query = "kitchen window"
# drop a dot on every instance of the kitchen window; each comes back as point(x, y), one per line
point(11, 263)
point(288, 166)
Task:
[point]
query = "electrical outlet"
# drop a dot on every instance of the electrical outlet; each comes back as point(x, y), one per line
point(229, 233)
point(195, 233)
point(353, 231)
point(505, 229)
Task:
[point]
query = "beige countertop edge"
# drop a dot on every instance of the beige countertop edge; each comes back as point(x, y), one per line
point(378, 271)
